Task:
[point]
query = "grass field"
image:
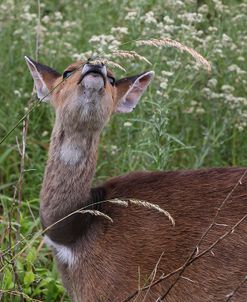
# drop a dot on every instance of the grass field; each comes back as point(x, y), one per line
point(187, 119)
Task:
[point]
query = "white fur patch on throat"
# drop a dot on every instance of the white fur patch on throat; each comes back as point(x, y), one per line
point(63, 253)
point(70, 154)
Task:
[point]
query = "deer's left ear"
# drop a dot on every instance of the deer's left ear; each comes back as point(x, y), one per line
point(43, 76)
point(130, 90)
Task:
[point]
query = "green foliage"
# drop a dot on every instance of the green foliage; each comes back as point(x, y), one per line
point(187, 119)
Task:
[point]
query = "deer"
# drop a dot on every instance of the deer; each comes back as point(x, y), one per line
point(125, 259)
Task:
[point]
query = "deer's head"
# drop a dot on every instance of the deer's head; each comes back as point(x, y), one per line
point(86, 95)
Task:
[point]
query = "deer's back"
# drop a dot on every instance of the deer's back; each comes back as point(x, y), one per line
point(141, 244)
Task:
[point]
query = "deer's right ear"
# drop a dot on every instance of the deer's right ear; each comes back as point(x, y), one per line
point(43, 76)
point(129, 91)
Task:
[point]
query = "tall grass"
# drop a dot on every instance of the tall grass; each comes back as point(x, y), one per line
point(187, 119)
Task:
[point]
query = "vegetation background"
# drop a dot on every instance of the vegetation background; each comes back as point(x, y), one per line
point(187, 119)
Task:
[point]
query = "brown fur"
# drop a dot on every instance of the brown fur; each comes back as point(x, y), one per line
point(115, 259)
point(112, 256)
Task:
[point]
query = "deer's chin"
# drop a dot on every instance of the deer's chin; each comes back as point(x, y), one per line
point(93, 81)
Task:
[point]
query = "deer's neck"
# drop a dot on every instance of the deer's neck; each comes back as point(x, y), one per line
point(69, 172)
point(71, 164)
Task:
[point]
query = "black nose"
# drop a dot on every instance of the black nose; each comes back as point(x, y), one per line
point(96, 66)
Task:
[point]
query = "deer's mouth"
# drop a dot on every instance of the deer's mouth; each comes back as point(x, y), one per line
point(94, 74)
point(94, 71)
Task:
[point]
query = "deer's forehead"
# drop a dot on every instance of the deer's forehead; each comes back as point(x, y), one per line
point(75, 65)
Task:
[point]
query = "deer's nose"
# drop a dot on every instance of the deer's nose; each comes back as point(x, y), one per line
point(95, 68)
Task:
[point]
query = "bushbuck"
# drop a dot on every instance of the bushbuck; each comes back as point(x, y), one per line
point(140, 255)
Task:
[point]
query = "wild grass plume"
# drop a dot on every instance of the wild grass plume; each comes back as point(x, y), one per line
point(142, 203)
point(175, 44)
point(95, 213)
point(152, 206)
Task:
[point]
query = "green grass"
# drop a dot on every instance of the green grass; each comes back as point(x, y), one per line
point(187, 119)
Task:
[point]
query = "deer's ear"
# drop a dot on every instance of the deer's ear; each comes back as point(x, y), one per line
point(130, 90)
point(43, 76)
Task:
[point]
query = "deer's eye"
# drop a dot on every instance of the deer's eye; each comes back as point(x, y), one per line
point(111, 80)
point(67, 73)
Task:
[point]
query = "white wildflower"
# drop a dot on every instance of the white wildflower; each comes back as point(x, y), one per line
point(114, 149)
point(119, 30)
point(191, 17)
point(46, 19)
point(212, 29)
point(127, 124)
point(26, 8)
point(241, 59)
point(212, 83)
point(193, 103)
point(168, 20)
point(200, 110)
point(149, 18)
point(164, 84)
point(17, 93)
point(131, 16)
point(237, 69)
point(227, 88)
point(203, 9)
point(189, 110)
point(167, 73)
point(58, 16)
